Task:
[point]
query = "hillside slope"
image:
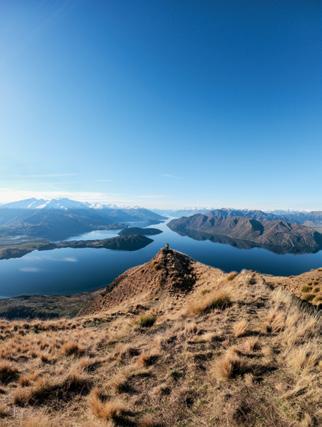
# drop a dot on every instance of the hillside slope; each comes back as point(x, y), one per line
point(276, 235)
point(174, 343)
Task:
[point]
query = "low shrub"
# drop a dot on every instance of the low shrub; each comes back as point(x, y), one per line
point(147, 320)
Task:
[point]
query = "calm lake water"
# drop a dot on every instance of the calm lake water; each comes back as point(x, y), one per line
point(67, 271)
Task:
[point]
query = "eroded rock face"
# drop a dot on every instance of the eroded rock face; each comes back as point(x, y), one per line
point(177, 273)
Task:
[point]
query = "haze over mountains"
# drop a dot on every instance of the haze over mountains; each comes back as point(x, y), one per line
point(168, 290)
point(34, 203)
point(62, 218)
point(60, 203)
point(59, 219)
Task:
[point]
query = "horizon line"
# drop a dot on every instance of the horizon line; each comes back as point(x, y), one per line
point(124, 204)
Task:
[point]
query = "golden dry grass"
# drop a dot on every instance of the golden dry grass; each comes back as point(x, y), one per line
point(107, 410)
point(227, 366)
point(245, 354)
point(47, 390)
point(72, 349)
point(214, 300)
point(240, 328)
point(8, 372)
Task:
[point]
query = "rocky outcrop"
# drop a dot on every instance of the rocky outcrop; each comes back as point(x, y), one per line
point(169, 272)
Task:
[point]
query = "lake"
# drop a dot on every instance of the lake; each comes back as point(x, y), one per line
point(68, 271)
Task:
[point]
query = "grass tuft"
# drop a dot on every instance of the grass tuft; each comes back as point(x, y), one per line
point(147, 320)
point(47, 390)
point(240, 328)
point(227, 367)
point(215, 300)
point(113, 410)
point(8, 372)
point(72, 349)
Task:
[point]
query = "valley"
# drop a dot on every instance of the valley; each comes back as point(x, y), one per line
point(160, 213)
point(67, 271)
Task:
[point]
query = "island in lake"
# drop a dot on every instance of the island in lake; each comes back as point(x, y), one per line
point(125, 243)
point(131, 231)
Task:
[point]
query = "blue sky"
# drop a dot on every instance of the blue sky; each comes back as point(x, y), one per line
point(162, 103)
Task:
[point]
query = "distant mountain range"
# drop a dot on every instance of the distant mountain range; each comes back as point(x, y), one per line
point(176, 213)
point(62, 218)
point(249, 229)
point(33, 203)
point(61, 203)
point(58, 219)
point(312, 219)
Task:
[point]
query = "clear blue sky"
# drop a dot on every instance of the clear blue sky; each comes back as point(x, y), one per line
point(163, 103)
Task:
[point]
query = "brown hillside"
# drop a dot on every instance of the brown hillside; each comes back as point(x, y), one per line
point(171, 343)
point(276, 235)
point(168, 272)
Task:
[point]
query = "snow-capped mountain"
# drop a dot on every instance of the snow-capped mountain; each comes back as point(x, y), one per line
point(34, 203)
point(58, 219)
point(65, 204)
point(62, 203)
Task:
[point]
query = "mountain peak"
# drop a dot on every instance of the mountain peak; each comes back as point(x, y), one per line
point(169, 272)
point(30, 203)
point(34, 203)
